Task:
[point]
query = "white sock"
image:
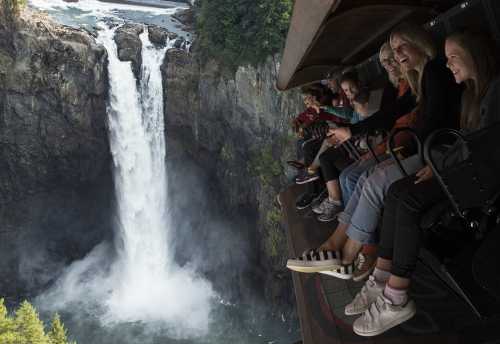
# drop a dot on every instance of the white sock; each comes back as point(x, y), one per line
point(334, 201)
point(398, 297)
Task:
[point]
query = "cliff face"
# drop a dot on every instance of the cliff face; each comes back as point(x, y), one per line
point(53, 86)
point(55, 183)
point(55, 179)
point(238, 130)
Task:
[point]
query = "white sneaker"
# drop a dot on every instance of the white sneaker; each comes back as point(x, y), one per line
point(365, 297)
point(382, 316)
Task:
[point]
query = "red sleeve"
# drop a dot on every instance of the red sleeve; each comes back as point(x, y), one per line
point(307, 117)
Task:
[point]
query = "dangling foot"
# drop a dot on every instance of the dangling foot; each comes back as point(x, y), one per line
point(365, 297)
point(383, 315)
point(315, 260)
point(364, 266)
point(330, 210)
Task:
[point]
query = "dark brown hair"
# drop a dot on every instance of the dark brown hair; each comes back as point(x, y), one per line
point(482, 50)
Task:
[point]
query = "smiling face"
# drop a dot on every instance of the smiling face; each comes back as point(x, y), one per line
point(459, 62)
point(350, 89)
point(406, 54)
point(389, 63)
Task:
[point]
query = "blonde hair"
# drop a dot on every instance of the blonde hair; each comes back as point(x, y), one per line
point(422, 41)
point(394, 79)
point(485, 68)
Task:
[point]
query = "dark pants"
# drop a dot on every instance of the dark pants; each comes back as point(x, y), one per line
point(310, 148)
point(329, 161)
point(300, 151)
point(404, 206)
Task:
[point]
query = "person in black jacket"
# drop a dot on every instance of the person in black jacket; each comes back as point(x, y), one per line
point(384, 300)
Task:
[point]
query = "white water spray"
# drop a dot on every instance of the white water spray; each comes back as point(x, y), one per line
point(144, 284)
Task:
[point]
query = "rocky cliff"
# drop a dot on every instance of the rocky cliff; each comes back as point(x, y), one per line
point(55, 186)
point(238, 130)
point(55, 181)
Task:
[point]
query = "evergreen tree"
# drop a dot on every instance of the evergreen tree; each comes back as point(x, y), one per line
point(57, 332)
point(7, 328)
point(240, 32)
point(29, 326)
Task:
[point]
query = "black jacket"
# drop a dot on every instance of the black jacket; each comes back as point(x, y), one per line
point(439, 105)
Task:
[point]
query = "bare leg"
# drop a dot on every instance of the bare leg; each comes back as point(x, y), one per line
point(337, 240)
point(350, 251)
point(334, 192)
point(398, 282)
point(384, 264)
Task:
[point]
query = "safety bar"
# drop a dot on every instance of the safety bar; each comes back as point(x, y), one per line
point(390, 147)
point(351, 149)
point(430, 161)
point(369, 143)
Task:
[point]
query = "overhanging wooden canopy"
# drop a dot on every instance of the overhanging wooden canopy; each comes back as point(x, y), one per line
point(328, 35)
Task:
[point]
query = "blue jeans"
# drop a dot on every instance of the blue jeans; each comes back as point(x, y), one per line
point(363, 213)
point(350, 175)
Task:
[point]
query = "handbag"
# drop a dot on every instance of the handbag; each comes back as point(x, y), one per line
point(473, 181)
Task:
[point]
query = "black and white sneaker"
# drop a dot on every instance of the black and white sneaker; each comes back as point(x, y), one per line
point(343, 272)
point(315, 261)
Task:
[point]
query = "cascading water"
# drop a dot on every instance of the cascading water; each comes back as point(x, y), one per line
point(143, 284)
point(138, 149)
point(150, 287)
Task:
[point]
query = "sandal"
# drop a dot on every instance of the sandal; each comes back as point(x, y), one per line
point(315, 260)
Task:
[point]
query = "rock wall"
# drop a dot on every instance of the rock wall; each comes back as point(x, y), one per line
point(238, 130)
point(55, 184)
point(55, 180)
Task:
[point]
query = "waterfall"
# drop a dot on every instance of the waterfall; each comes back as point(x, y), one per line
point(144, 284)
point(149, 285)
point(138, 148)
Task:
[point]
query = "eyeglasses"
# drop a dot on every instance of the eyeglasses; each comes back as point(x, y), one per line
point(387, 62)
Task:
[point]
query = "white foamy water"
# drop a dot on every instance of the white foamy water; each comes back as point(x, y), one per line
point(144, 284)
point(103, 9)
point(87, 13)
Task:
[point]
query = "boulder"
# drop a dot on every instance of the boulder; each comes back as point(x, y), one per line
point(160, 36)
point(130, 46)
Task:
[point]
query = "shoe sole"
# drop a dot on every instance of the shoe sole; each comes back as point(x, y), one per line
point(313, 268)
point(303, 207)
point(395, 323)
point(336, 274)
point(327, 220)
point(307, 181)
point(313, 200)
